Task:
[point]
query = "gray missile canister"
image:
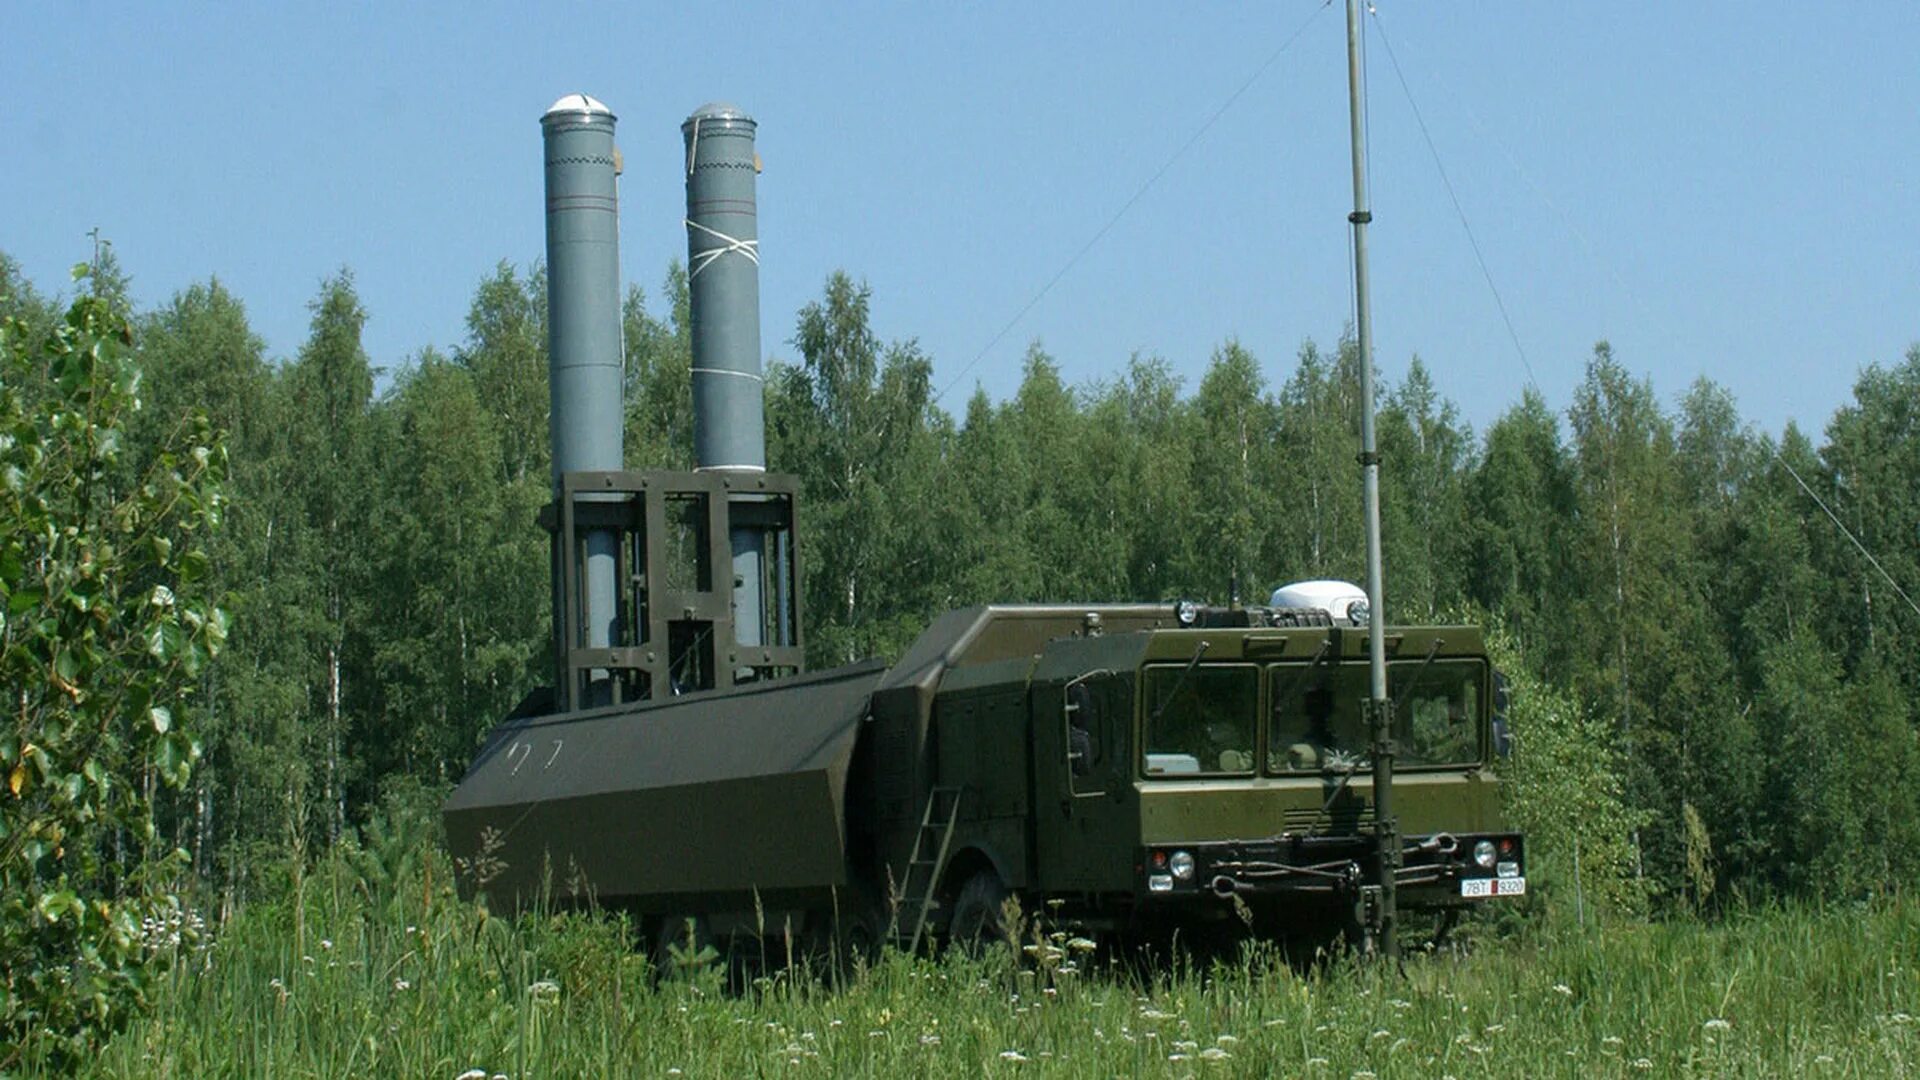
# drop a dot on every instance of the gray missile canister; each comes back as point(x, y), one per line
point(723, 285)
point(584, 346)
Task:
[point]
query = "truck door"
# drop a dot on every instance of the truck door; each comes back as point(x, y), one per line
point(1080, 756)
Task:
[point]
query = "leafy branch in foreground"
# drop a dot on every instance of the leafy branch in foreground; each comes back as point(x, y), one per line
point(103, 630)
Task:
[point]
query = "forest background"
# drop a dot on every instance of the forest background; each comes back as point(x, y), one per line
point(1722, 681)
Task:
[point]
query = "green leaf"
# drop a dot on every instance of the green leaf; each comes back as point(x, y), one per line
point(162, 718)
point(193, 565)
point(173, 756)
point(59, 902)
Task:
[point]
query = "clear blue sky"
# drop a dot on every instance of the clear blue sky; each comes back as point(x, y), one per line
point(1718, 188)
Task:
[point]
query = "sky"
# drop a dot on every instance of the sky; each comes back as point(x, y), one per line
point(1718, 189)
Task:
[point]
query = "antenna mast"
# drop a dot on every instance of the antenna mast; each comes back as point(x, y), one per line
point(1384, 913)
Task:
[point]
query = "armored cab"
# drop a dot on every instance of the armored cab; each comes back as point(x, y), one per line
point(1143, 767)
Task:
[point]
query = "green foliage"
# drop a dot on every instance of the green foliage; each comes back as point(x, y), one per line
point(414, 983)
point(856, 421)
point(1694, 632)
point(106, 626)
point(1566, 790)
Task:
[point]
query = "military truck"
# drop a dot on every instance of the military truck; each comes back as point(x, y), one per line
point(1125, 768)
point(1130, 769)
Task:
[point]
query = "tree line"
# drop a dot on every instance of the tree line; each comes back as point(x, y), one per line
point(1725, 683)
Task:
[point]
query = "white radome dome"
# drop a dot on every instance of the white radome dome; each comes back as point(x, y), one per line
point(1336, 598)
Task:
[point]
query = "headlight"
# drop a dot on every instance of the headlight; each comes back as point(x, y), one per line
point(1483, 854)
point(1357, 612)
point(1187, 612)
point(1182, 865)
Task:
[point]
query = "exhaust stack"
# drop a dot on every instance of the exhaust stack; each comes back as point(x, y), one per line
point(584, 347)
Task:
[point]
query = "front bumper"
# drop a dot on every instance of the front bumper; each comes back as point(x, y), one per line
point(1439, 870)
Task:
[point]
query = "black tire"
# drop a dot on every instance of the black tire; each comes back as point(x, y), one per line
point(977, 921)
point(845, 938)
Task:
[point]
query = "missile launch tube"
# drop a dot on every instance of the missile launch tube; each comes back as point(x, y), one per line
point(723, 285)
point(584, 345)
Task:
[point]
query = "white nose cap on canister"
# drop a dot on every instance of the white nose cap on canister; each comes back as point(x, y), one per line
point(579, 103)
point(1336, 598)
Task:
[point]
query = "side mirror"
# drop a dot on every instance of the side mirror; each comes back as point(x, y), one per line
point(1502, 730)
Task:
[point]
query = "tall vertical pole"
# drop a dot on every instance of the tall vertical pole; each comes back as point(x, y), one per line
point(1380, 708)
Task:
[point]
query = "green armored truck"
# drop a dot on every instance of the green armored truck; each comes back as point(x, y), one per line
point(1131, 769)
point(1125, 768)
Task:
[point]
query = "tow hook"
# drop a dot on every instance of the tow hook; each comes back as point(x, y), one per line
point(1443, 843)
point(1225, 886)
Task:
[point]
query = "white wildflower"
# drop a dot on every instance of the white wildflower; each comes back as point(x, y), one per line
point(1643, 1064)
point(472, 1074)
point(1214, 1053)
point(326, 944)
point(929, 1039)
point(1563, 989)
point(1226, 1040)
point(402, 984)
point(1014, 1056)
point(1717, 1024)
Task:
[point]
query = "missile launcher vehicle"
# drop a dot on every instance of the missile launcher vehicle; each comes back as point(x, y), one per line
point(1124, 768)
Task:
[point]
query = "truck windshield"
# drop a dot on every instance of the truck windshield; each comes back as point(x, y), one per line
point(1318, 721)
point(1200, 720)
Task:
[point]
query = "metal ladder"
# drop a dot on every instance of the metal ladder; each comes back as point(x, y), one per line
point(911, 904)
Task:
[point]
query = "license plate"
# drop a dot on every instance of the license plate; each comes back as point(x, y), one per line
point(1511, 886)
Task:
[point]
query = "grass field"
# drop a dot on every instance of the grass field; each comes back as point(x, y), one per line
point(403, 980)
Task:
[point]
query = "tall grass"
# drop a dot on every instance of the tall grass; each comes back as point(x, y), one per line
point(369, 970)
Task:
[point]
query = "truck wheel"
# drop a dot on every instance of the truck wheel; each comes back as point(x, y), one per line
point(840, 941)
point(977, 921)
